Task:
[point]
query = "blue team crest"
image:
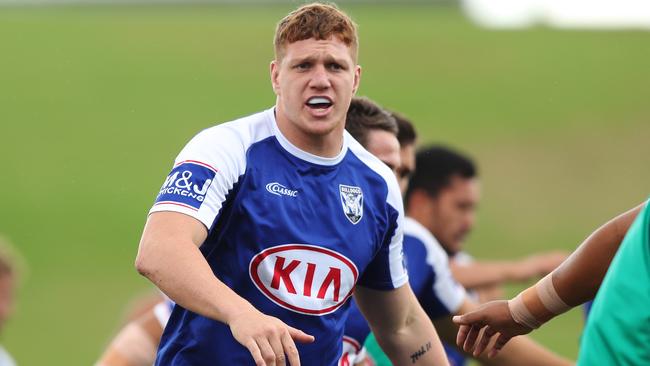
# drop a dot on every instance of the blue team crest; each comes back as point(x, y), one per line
point(352, 201)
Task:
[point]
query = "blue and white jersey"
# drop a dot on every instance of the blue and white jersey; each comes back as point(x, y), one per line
point(163, 310)
point(429, 276)
point(290, 232)
point(429, 273)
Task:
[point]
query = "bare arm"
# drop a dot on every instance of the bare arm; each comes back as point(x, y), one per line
point(574, 282)
point(480, 274)
point(589, 263)
point(169, 256)
point(135, 344)
point(401, 327)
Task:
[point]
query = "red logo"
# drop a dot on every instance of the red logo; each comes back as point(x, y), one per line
point(304, 278)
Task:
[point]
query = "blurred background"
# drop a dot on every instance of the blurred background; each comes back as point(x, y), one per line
point(98, 97)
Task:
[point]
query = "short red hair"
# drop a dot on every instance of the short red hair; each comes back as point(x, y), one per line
point(319, 21)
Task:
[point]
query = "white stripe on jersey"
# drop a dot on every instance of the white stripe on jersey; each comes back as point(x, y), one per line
point(447, 290)
point(397, 270)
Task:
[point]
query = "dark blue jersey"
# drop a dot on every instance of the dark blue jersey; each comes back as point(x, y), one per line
point(290, 232)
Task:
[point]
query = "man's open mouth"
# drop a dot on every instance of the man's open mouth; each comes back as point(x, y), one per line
point(319, 103)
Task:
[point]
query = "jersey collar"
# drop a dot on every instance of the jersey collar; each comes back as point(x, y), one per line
point(301, 154)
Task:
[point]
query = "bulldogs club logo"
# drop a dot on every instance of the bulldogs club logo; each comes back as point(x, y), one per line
point(352, 201)
point(304, 278)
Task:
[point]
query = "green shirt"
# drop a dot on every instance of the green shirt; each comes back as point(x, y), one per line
point(618, 328)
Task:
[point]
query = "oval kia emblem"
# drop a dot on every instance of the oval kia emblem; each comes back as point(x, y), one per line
point(307, 279)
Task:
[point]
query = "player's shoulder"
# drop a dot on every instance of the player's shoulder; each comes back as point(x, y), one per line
point(416, 232)
point(239, 132)
point(372, 163)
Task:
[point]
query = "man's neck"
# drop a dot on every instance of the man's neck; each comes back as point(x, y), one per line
point(326, 146)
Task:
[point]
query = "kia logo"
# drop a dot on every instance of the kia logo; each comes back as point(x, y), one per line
point(304, 278)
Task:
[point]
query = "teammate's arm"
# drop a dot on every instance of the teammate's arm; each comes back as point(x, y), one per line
point(571, 284)
point(169, 256)
point(401, 327)
point(482, 273)
point(135, 344)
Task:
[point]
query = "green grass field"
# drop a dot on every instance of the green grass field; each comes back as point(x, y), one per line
point(95, 102)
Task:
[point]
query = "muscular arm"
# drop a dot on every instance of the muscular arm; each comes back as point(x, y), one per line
point(574, 282)
point(169, 256)
point(519, 351)
point(401, 327)
point(589, 263)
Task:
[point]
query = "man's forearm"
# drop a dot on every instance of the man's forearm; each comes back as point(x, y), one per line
point(483, 273)
point(177, 267)
point(417, 343)
point(589, 263)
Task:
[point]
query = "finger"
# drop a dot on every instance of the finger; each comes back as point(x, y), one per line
point(498, 345)
point(472, 335)
point(278, 350)
point(290, 349)
point(255, 352)
point(468, 318)
point(484, 341)
point(462, 335)
point(267, 351)
point(300, 336)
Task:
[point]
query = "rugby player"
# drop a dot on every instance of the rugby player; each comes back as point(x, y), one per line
point(9, 272)
point(429, 274)
point(266, 224)
point(617, 328)
point(443, 197)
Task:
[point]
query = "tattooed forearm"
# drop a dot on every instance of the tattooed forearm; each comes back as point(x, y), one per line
point(420, 352)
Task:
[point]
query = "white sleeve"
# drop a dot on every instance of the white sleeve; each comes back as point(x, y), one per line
point(203, 174)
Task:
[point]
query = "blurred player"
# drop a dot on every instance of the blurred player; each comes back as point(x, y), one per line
point(136, 343)
point(8, 281)
point(617, 328)
point(266, 224)
point(429, 274)
point(443, 197)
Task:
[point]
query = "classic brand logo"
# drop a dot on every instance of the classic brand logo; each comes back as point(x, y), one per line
point(280, 190)
point(352, 201)
point(187, 184)
point(304, 278)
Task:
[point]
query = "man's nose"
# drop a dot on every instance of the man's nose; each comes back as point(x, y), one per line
point(320, 78)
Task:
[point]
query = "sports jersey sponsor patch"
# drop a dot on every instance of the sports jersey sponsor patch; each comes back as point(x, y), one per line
point(187, 185)
point(352, 201)
point(306, 279)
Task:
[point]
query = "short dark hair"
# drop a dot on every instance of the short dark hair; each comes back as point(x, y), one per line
point(435, 166)
point(406, 134)
point(364, 115)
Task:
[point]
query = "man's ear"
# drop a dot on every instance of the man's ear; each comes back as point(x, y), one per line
point(357, 79)
point(275, 71)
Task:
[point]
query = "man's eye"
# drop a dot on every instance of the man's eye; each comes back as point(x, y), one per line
point(303, 66)
point(335, 66)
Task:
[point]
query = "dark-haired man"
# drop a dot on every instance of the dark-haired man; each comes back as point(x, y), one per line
point(443, 196)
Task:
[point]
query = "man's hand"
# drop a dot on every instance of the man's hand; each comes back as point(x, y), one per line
point(267, 338)
point(493, 317)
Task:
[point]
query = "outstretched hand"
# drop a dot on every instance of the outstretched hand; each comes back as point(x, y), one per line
point(268, 339)
point(478, 327)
